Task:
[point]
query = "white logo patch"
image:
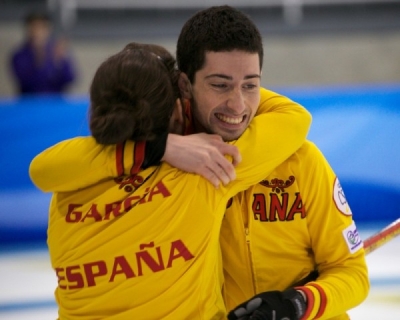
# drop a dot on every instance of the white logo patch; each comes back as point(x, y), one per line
point(352, 238)
point(340, 198)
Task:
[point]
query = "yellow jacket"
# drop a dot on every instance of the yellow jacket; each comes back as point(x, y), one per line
point(296, 219)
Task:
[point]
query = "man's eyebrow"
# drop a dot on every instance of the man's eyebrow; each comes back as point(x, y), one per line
point(252, 76)
point(219, 75)
point(224, 76)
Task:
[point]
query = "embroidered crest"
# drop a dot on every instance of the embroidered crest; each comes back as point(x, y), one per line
point(340, 199)
point(278, 185)
point(129, 183)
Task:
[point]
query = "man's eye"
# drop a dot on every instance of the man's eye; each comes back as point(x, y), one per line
point(219, 85)
point(250, 86)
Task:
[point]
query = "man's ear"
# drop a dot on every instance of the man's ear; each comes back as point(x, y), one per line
point(177, 122)
point(185, 86)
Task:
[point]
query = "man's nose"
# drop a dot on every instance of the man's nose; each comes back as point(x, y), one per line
point(236, 101)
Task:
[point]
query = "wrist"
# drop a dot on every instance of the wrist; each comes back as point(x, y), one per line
point(170, 142)
point(298, 300)
point(303, 294)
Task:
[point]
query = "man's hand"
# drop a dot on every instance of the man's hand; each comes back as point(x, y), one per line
point(203, 154)
point(60, 50)
point(272, 305)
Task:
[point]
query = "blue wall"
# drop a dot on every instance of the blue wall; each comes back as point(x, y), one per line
point(357, 128)
point(28, 126)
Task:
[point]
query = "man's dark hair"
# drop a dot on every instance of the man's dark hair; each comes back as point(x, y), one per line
point(132, 96)
point(37, 16)
point(216, 29)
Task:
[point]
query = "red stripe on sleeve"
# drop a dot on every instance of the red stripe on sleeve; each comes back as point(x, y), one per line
point(322, 294)
point(140, 148)
point(310, 301)
point(120, 158)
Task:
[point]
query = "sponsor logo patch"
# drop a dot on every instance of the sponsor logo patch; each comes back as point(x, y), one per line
point(352, 238)
point(340, 199)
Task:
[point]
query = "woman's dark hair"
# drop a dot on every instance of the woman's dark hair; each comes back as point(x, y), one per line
point(132, 95)
point(165, 56)
point(216, 29)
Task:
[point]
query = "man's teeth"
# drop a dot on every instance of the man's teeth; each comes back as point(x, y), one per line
point(228, 119)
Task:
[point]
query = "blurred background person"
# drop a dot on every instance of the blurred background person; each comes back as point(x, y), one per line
point(42, 63)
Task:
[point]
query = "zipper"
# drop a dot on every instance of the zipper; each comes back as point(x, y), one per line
point(246, 209)
point(247, 234)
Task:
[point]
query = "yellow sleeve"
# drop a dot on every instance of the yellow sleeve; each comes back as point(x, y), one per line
point(337, 247)
point(80, 162)
point(271, 101)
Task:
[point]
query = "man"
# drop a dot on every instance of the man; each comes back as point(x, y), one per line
point(295, 220)
point(132, 240)
point(42, 64)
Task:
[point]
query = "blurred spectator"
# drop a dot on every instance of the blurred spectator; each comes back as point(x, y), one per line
point(42, 63)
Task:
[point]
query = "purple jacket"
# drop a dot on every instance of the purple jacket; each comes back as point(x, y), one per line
point(46, 78)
